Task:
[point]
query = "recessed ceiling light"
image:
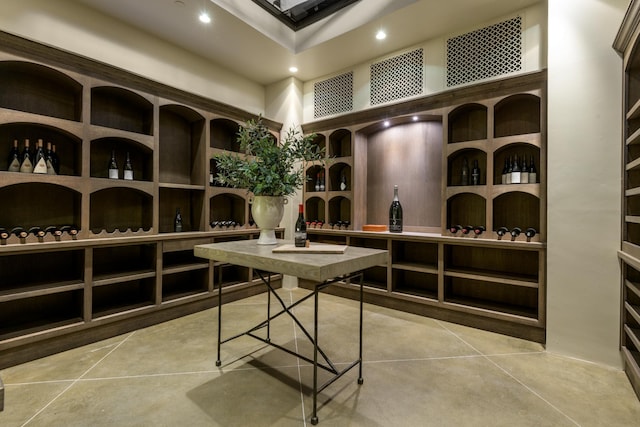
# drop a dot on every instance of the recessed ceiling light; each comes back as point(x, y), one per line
point(415, 118)
point(386, 123)
point(204, 18)
point(293, 69)
point(381, 35)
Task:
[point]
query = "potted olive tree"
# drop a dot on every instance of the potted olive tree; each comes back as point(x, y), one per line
point(269, 170)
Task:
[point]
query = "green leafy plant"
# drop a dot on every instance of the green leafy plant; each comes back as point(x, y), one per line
point(266, 168)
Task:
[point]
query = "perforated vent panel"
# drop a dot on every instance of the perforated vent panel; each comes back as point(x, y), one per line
point(484, 53)
point(333, 96)
point(396, 78)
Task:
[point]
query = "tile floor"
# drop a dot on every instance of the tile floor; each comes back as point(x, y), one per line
point(417, 372)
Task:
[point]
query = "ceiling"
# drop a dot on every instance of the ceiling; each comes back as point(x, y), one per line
point(248, 41)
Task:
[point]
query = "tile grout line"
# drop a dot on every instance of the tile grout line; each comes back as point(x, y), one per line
point(77, 380)
point(535, 393)
point(295, 339)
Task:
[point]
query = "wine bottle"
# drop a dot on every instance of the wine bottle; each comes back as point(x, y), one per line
point(71, 230)
point(14, 158)
point(36, 231)
point(533, 176)
point(467, 229)
point(317, 186)
point(177, 221)
point(300, 233)
point(478, 230)
point(55, 160)
point(505, 170)
point(19, 232)
point(454, 229)
point(128, 169)
point(464, 173)
point(113, 166)
point(343, 181)
point(515, 172)
point(346, 224)
point(51, 170)
point(211, 177)
point(322, 186)
point(515, 232)
point(502, 231)
point(39, 160)
point(4, 234)
point(530, 232)
point(26, 165)
point(475, 173)
point(53, 230)
point(395, 213)
point(509, 170)
point(524, 171)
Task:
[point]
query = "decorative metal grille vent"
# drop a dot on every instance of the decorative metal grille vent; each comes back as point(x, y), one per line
point(333, 96)
point(398, 77)
point(484, 53)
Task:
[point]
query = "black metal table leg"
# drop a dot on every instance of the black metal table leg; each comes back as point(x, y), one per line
point(360, 378)
point(314, 415)
point(218, 361)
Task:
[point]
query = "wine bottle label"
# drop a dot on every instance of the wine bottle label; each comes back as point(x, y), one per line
point(50, 169)
point(532, 177)
point(515, 177)
point(113, 173)
point(524, 177)
point(14, 166)
point(26, 166)
point(128, 175)
point(41, 166)
point(343, 186)
point(300, 239)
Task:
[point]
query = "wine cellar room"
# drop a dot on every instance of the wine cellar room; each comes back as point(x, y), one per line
point(508, 130)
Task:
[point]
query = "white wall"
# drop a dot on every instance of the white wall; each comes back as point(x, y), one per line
point(70, 26)
point(584, 140)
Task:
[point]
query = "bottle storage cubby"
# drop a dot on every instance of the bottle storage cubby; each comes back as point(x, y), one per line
point(119, 108)
point(176, 261)
point(123, 296)
point(466, 209)
point(113, 261)
point(68, 146)
point(140, 156)
point(314, 209)
point(224, 135)
point(497, 297)
point(190, 203)
point(227, 207)
point(411, 255)
point(339, 177)
point(516, 209)
point(227, 275)
point(184, 284)
point(314, 177)
point(321, 141)
point(415, 283)
point(467, 160)
point(29, 273)
point(122, 209)
point(516, 151)
point(340, 143)
point(467, 123)
point(517, 115)
point(631, 315)
point(182, 146)
point(37, 89)
point(30, 316)
point(499, 265)
point(39, 204)
point(339, 210)
point(632, 168)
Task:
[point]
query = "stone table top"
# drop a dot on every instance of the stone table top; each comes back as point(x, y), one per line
point(310, 266)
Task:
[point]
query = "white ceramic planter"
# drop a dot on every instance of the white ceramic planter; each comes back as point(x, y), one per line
point(267, 212)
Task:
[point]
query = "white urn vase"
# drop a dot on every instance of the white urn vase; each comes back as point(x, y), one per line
point(267, 212)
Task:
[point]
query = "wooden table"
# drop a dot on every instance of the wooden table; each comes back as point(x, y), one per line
point(322, 269)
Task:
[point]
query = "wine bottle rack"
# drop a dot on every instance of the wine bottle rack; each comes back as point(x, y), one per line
point(479, 278)
point(125, 266)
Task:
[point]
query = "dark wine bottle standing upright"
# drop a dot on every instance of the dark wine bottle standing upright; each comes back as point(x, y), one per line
point(300, 233)
point(113, 166)
point(26, 162)
point(515, 172)
point(51, 169)
point(533, 176)
point(475, 173)
point(395, 213)
point(177, 221)
point(40, 161)
point(464, 173)
point(13, 161)
point(524, 171)
point(505, 170)
point(55, 160)
point(128, 169)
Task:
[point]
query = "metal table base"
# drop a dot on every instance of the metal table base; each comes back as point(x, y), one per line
point(326, 364)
